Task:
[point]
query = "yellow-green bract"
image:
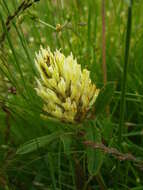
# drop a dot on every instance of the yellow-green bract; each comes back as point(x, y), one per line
point(67, 91)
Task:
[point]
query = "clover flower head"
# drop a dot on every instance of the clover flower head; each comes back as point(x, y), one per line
point(67, 91)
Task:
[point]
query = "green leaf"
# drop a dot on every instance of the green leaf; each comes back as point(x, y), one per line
point(107, 128)
point(36, 143)
point(104, 98)
point(49, 159)
point(94, 157)
point(66, 143)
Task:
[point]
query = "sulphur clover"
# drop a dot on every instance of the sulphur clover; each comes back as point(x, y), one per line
point(66, 90)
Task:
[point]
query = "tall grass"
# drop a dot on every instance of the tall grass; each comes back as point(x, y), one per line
point(125, 71)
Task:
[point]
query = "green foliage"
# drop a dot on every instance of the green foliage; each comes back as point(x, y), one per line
point(39, 154)
point(37, 143)
point(104, 98)
point(94, 157)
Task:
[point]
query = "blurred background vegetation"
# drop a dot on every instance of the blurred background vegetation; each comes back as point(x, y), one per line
point(56, 158)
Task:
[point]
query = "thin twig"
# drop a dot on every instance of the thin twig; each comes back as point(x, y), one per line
point(22, 7)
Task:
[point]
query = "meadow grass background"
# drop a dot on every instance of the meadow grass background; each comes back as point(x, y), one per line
point(58, 159)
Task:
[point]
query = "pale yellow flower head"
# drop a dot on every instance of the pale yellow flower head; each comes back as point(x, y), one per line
point(66, 90)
